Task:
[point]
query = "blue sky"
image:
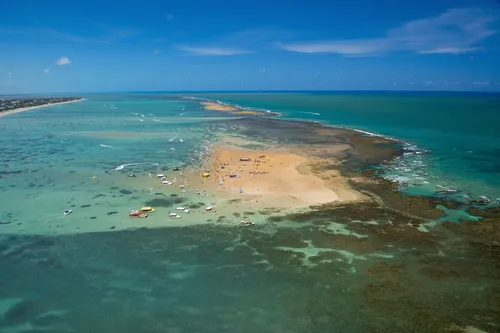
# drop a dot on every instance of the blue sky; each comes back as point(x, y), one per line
point(97, 46)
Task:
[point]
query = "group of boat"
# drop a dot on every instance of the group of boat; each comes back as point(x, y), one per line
point(143, 212)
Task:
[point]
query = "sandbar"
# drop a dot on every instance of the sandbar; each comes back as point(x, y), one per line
point(6, 113)
point(215, 106)
point(212, 106)
point(275, 178)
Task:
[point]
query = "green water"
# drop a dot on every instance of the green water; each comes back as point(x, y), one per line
point(453, 137)
point(97, 270)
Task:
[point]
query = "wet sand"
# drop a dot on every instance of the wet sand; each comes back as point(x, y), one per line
point(7, 113)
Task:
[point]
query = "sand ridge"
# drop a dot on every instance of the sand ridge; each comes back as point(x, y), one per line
point(276, 178)
point(212, 106)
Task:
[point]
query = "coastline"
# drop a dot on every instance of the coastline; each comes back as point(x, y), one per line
point(319, 210)
point(10, 112)
point(210, 105)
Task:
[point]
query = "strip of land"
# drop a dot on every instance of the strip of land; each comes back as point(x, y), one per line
point(22, 109)
point(214, 106)
point(275, 178)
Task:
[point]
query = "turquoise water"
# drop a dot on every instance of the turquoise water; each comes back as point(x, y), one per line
point(458, 131)
point(97, 270)
point(63, 157)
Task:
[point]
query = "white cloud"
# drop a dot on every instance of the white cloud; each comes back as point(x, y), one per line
point(453, 32)
point(170, 17)
point(9, 73)
point(156, 51)
point(211, 50)
point(46, 70)
point(63, 61)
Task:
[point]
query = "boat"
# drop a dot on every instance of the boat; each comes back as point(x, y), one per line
point(137, 213)
point(247, 223)
point(148, 209)
point(174, 216)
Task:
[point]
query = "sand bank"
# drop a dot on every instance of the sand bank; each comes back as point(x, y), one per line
point(275, 178)
point(212, 106)
point(6, 113)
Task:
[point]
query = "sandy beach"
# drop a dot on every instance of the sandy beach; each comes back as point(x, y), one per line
point(6, 113)
point(274, 178)
point(212, 106)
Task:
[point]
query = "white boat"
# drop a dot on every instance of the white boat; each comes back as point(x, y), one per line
point(160, 175)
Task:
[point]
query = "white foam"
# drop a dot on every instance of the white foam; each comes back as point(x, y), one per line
point(121, 167)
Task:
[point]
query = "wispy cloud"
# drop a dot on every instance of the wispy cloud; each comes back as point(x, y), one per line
point(156, 52)
point(102, 34)
point(69, 37)
point(214, 51)
point(46, 70)
point(238, 42)
point(455, 31)
point(113, 34)
point(169, 17)
point(63, 61)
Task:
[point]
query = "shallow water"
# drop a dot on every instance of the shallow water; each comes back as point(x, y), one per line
point(331, 271)
point(66, 156)
point(458, 131)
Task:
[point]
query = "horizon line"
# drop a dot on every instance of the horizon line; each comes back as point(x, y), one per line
point(258, 91)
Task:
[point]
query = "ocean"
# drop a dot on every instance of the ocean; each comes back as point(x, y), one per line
point(97, 270)
point(453, 138)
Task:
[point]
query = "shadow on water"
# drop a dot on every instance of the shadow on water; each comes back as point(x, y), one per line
point(216, 279)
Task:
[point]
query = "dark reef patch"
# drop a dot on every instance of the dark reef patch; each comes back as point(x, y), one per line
point(164, 202)
point(196, 205)
point(124, 191)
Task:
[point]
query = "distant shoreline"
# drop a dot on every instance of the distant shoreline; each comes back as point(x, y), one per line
point(10, 112)
point(210, 105)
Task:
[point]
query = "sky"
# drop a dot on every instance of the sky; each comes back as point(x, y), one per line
point(62, 46)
